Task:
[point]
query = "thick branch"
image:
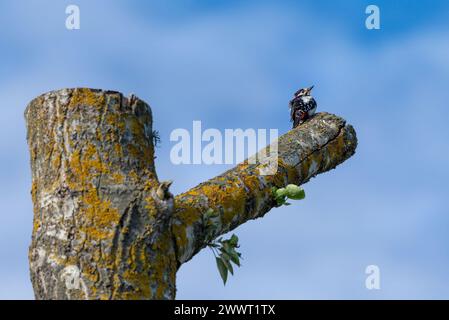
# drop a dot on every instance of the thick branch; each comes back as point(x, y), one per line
point(242, 193)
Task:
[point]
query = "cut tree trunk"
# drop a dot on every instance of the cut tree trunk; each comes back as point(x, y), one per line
point(100, 229)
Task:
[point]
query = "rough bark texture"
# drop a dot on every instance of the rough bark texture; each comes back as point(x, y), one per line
point(101, 232)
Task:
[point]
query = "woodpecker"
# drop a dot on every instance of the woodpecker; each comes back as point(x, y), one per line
point(162, 191)
point(302, 106)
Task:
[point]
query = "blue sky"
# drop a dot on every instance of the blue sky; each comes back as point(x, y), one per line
point(235, 64)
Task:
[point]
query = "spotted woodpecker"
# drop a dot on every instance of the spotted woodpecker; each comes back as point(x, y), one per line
point(302, 106)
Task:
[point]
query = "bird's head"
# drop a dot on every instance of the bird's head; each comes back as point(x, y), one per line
point(303, 92)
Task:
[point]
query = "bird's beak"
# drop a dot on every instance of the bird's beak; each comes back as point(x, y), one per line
point(309, 89)
point(169, 182)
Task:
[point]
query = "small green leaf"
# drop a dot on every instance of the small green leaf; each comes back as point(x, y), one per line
point(225, 259)
point(234, 240)
point(226, 247)
point(235, 257)
point(295, 192)
point(222, 269)
point(282, 201)
point(225, 256)
point(280, 192)
point(291, 191)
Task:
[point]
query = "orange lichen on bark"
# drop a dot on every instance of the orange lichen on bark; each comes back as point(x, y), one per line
point(100, 216)
point(87, 97)
point(84, 166)
point(163, 266)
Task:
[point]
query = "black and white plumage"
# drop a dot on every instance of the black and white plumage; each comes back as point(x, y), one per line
point(302, 106)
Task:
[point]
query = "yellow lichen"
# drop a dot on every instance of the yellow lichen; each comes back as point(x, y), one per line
point(100, 215)
point(57, 161)
point(87, 97)
point(86, 167)
point(231, 197)
point(34, 190)
point(134, 176)
point(118, 149)
point(151, 207)
point(136, 127)
point(163, 266)
point(141, 285)
point(117, 178)
point(187, 212)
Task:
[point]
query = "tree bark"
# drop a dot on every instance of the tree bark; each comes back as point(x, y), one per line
point(100, 230)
